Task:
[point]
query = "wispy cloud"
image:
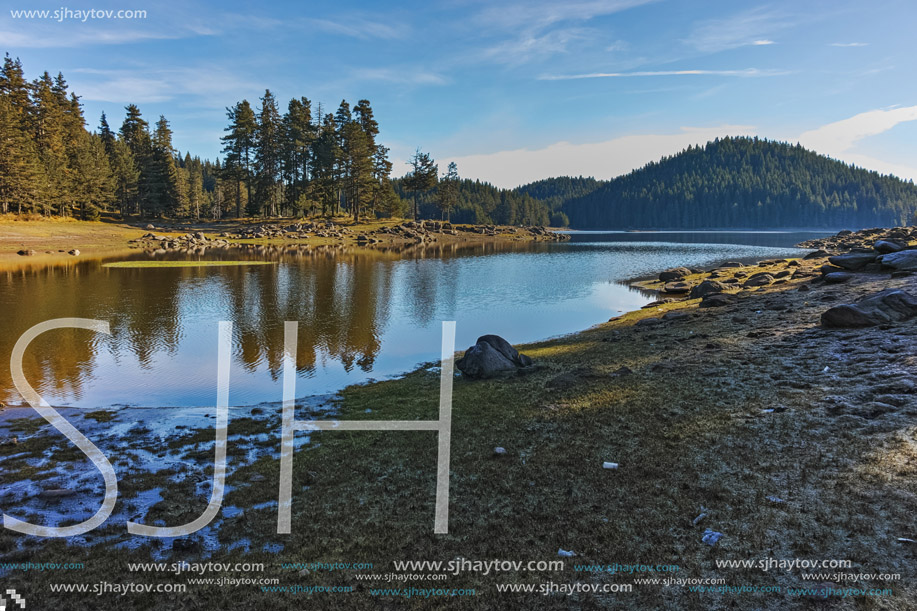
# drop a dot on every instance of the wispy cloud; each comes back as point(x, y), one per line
point(753, 27)
point(363, 28)
point(763, 42)
point(540, 14)
point(600, 159)
point(747, 72)
point(849, 44)
point(535, 30)
point(531, 47)
point(839, 139)
point(72, 37)
point(400, 75)
point(211, 85)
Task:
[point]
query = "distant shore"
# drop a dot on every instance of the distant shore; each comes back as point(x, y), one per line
point(45, 240)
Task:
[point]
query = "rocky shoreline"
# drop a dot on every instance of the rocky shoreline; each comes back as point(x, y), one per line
point(325, 232)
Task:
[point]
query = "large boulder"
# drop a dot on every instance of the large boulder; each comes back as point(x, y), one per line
point(888, 306)
point(905, 260)
point(888, 246)
point(676, 273)
point(707, 287)
point(853, 260)
point(759, 279)
point(490, 356)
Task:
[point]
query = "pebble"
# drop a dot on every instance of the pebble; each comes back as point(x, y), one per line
point(711, 537)
point(564, 553)
point(609, 465)
point(499, 451)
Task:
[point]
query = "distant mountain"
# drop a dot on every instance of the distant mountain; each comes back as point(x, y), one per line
point(735, 183)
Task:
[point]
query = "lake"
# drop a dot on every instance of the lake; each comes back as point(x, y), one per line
point(364, 314)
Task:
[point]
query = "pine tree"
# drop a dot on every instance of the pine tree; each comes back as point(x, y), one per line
point(239, 147)
point(299, 134)
point(19, 168)
point(447, 192)
point(160, 180)
point(136, 137)
point(268, 156)
point(422, 177)
point(125, 177)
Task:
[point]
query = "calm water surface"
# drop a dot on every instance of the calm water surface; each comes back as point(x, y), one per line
point(363, 314)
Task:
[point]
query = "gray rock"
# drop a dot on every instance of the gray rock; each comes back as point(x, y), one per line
point(715, 300)
point(676, 287)
point(837, 277)
point(676, 315)
point(853, 260)
point(676, 273)
point(731, 264)
point(26, 253)
point(706, 288)
point(829, 269)
point(490, 356)
point(905, 260)
point(818, 254)
point(887, 246)
point(74, 252)
point(887, 306)
point(759, 279)
point(647, 322)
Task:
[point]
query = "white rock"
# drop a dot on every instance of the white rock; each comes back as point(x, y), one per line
point(564, 553)
point(609, 465)
point(499, 451)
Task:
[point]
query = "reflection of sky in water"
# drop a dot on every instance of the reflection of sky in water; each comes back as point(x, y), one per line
point(397, 304)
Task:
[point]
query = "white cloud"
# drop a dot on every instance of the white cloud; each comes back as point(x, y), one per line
point(763, 42)
point(849, 44)
point(840, 138)
point(743, 72)
point(600, 159)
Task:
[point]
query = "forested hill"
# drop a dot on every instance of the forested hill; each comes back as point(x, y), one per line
point(745, 183)
point(557, 191)
point(482, 203)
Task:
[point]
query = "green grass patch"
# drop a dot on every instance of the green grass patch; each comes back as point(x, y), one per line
point(164, 264)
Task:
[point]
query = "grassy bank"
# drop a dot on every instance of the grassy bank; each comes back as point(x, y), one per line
point(793, 441)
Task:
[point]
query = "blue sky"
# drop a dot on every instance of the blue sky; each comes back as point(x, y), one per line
point(512, 91)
